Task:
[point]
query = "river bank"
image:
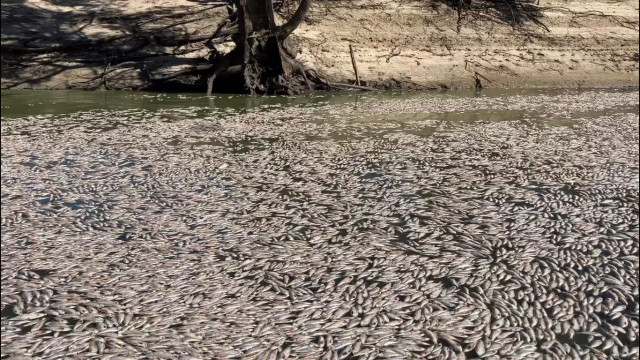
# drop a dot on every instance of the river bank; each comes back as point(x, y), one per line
point(397, 44)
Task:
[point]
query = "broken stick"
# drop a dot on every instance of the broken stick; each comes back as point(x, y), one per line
point(355, 65)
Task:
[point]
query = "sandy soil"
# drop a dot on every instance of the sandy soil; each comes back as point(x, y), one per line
point(576, 52)
point(397, 43)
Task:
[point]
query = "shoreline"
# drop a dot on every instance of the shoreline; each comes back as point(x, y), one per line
point(380, 87)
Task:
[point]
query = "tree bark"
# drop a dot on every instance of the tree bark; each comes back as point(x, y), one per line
point(295, 21)
point(266, 68)
point(261, 55)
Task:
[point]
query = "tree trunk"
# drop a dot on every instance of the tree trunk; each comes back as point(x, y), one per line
point(265, 67)
point(262, 67)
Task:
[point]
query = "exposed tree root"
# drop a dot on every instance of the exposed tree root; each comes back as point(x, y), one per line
point(260, 58)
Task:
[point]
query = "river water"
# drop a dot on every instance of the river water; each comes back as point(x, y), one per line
point(493, 224)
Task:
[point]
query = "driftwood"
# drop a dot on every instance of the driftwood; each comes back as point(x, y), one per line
point(349, 86)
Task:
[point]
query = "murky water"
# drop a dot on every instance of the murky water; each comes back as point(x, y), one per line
point(500, 224)
point(16, 103)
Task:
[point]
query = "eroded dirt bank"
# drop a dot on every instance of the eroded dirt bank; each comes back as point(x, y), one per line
point(120, 44)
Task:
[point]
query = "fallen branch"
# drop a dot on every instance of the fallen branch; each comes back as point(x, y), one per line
point(347, 86)
point(189, 71)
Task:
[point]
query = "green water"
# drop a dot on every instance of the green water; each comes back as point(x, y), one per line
point(21, 103)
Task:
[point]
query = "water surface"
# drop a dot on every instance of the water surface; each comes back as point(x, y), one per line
point(387, 226)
